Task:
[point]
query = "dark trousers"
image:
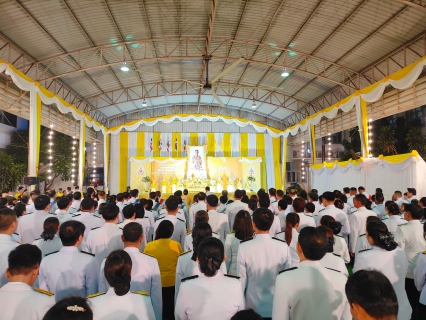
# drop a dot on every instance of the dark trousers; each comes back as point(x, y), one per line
point(413, 297)
point(422, 311)
point(168, 294)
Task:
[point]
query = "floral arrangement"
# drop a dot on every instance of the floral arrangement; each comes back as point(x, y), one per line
point(146, 179)
point(251, 178)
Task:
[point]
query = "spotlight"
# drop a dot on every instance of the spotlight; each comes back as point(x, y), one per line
point(144, 103)
point(253, 105)
point(124, 67)
point(285, 73)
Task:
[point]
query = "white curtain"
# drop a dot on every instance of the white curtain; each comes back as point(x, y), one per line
point(114, 163)
point(269, 159)
point(235, 140)
point(218, 137)
point(252, 145)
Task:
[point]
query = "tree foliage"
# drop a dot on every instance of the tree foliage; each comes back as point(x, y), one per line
point(354, 144)
point(416, 141)
point(11, 172)
point(386, 141)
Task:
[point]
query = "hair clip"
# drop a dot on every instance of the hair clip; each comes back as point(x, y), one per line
point(76, 308)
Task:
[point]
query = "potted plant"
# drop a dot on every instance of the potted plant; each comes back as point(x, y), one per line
point(146, 180)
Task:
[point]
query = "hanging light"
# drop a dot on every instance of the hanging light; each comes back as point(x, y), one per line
point(144, 103)
point(50, 151)
point(124, 67)
point(94, 157)
point(370, 134)
point(285, 73)
point(73, 160)
point(253, 105)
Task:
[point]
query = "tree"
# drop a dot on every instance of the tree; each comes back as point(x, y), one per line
point(354, 144)
point(386, 141)
point(11, 172)
point(416, 141)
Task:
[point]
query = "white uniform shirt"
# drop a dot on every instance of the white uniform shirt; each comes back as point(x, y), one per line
point(69, 272)
point(259, 261)
point(30, 226)
point(102, 241)
point(132, 200)
point(233, 209)
point(188, 241)
point(281, 216)
point(148, 214)
point(186, 267)
point(400, 201)
point(75, 206)
point(145, 277)
point(276, 227)
point(420, 277)
point(200, 205)
point(357, 221)
point(338, 215)
point(231, 251)
point(49, 246)
point(6, 245)
point(310, 292)
point(179, 232)
point(101, 201)
point(393, 222)
point(295, 259)
point(219, 224)
point(30, 208)
point(318, 207)
point(362, 244)
point(120, 206)
point(412, 198)
point(146, 229)
point(305, 221)
point(180, 214)
point(209, 298)
point(221, 208)
point(350, 201)
point(331, 261)
point(341, 248)
point(90, 221)
point(394, 265)
point(133, 306)
point(63, 215)
point(19, 301)
point(410, 238)
point(380, 210)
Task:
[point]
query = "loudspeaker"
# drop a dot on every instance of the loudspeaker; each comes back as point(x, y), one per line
point(29, 181)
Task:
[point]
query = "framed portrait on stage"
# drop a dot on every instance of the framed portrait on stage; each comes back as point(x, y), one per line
point(197, 164)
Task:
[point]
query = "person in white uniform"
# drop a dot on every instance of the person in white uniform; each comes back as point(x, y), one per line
point(30, 226)
point(49, 241)
point(330, 209)
point(290, 235)
point(279, 195)
point(70, 308)
point(411, 194)
point(242, 229)
point(310, 291)
point(410, 238)
point(210, 295)
point(218, 221)
point(313, 198)
point(145, 270)
point(361, 190)
point(200, 205)
point(233, 208)
point(398, 199)
point(340, 247)
point(386, 256)
point(394, 220)
point(371, 296)
point(75, 206)
point(119, 302)
point(299, 205)
point(120, 205)
point(264, 202)
point(69, 272)
point(8, 225)
point(200, 216)
point(86, 217)
point(379, 209)
point(352, 193)
point(332, 260)
point(62, 214)
point(18, 299)
point(420, 281)
point(260, 259)
point(33, 195)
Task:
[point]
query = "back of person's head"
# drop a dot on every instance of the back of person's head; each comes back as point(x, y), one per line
point(225, 193)
point(330, 236)
point(372, 218)
point(263, 218)
point(19, 209)
point(172, 204)
point(264, 201)
point(339, 204)
point(120, 197)
point(70, 308)
point(381, 236)
point(178, 193)
point(223, 199)
point(361, 188)
point(118, 267)
point(51, 194)
point(70, 231)
point(412, 190)
point(372, 291)
point(238, 194)
point(128, 211)
point(303, 194)
point(260, 192)
point(164, 230)
point(212, 200)
point(140, 211)
point(415, 210)
point(201, 196)
point(393, 209)
point(87, 204)
point(329, 196)
point(200, 231)
point(95, 204)
point(380, 198)
point(152, 195)
point(90, 191)
point(63, 203)
point(41, 202)
point(7, 217)
point(249, 314)
point(361, 199)
point(282, 204)
point(299, 205)
point(243, 225)
point(149, 204)
point(291, 220)
point(313, 196)
point(50, 227)
point(132, 232)
point(346, 189)
point(201, 216)
point(280, 193)
point(77, 195)
point(126, 195)
point(272, 192)
point(245, 199)
point(210, 255)
point(134, 193)
point(314, 243)
point(310, 207)
point(252, 204)
point(195, 198)
point(110, 212)
point(3, 201)
point(24, 199)
point(330, 222)
point(185, 192)
point(387, 203)
point(24, 259)
point(289, 200)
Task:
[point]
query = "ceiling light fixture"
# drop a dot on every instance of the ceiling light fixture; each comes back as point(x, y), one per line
point(124, 67)
point(144, 103)
point(285, 73)
point(253, 105)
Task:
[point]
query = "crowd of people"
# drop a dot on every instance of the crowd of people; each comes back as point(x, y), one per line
point(341, 254)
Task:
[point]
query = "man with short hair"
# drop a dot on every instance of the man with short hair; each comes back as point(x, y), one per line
point(313, 198)
point(134, 196)
point(85, 216)
point(310, 291)
point(67, 271)
point(75, 206)
point(279, 195)
point(62, 214)
point(208, 192)
point(351, 196)
point(330, 209)
point(179, 232)
point(53, 202)
point(233, 208)
point(18, 299)
point(410, 238)
point(102, 197)
point(361, 190)
point(201, 205)
point(411, 194)
point(126, 197)
point(8, 225)
point(145, 270)
point(218, 221)
point(264, 202)
point(293, 193)
point(379, 209)
point(272, 195)
point(222, 206)
point(19, 193)
point(120, 205)
point(371, 296)
point(398, 199)
point(31, 226)
point(299, 205)
point(259, 261)
point(30, 207)
point(69, 191)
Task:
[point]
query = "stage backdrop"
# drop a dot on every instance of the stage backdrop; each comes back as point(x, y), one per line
point(125, 145)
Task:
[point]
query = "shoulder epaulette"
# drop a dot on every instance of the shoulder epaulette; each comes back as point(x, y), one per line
point(16, 233)
point(231, 276)
point(363, 250)
point(231, 232)
point(143, 293)
point(95, 228)
point(188, 232)
point(44, 291)
point(189, 278)
point(118, 228)
point(95, 295)
point(214, 232)
point(338, 236)
point(51, 253)
point(76, 215)
point(185, 252)
point(362, 235)
point(424, 252)
point(278, 239)
point(337, 255)
point(19, 242)
point(161, 218)
point(332, 269)
point(181, 220)
point(97, 216)
point(248, 239)
point(401, 224)
point(287, 270)
point(37, 239)
point(150, 255)
point(321, 210)
point(280, 232)
point(87, 253)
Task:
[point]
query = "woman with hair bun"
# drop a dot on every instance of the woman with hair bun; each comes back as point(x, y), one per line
point(118, 302)
point(49, 241)
point(340, 246)
point(71, 308)
point(332, 260)
point(386, 256)
point(394, 219)
point(210, 295)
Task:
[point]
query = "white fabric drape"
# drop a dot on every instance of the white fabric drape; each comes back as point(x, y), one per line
point(252, 145)
point(106, 164)
point(269, 161)
point(257, 160)
point(236, 141)
point(151, 159)
point(114, 164)
point(218, 137)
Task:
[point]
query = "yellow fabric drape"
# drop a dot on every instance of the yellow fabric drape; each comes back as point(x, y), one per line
point(38, 126)
point(260, 146)
point(284, 164)
point(244, 145)
point(156, 136)
point(176, 139)
point(227, 145)
point(313, 146)
point(276, 146)
point(211, 144)
point(364, 119)
point(140, 144)
point(123, 160)
point(193, 139)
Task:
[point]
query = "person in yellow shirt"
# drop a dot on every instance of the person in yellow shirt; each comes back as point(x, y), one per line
point(60, 193)
point(167, 252)
point(19, 193)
